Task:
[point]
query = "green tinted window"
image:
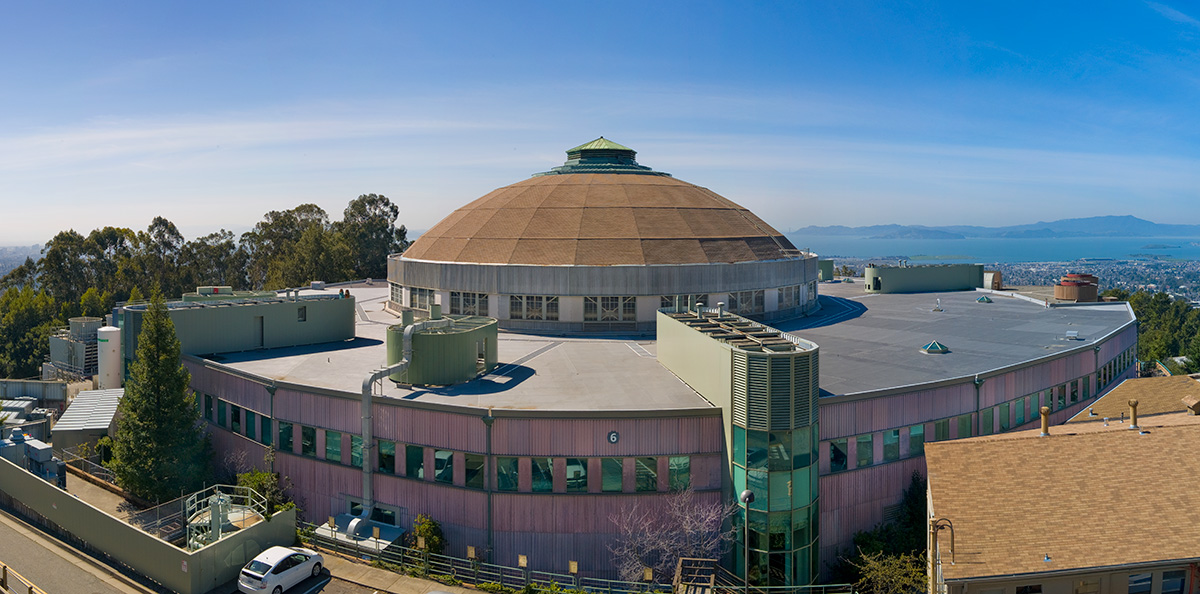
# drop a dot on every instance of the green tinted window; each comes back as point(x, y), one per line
point(780, 490)
point(779, 450)
point(891, 445)
point(800, 489)
point(646, 474)
point(474, 465)
point(916, 440)
point(250, 424)
point(266, 431)
point(235, 419)
point(221, 411)
point(308, 441)
point(507, 472)
point(802, 449)
point(756, 449)
point(333, 446)
point(443, 462)
point(756, 481)
point(577, 480)
point(679, 475)
point(543, 475)
point(387, 457)
point(611, 475)
point(864, 450)
point(837, 455)
point(285, 436)
point(414, 461)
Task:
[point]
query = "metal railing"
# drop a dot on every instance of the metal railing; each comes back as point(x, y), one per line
point(473, 571)
point(71, 457)
point(11, 582)
point(420, 563)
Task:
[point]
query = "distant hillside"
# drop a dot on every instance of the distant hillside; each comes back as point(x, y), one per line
point(14, 256)
point(1106, 226)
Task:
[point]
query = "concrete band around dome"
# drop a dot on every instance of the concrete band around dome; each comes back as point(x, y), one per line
point(601, 243)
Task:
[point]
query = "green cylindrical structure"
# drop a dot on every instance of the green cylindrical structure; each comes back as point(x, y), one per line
point(447, 355)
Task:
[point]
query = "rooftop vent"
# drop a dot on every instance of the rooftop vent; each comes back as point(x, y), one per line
point(984, 299)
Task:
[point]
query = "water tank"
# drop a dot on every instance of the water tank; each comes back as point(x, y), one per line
point(84, 327)
point(108, 349)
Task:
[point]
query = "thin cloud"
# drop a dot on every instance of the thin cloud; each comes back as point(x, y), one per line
point(1173, 14)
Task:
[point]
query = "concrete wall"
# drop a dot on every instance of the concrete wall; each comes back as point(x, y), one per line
point(919, 279)
point(186, 572)
point(235, 327)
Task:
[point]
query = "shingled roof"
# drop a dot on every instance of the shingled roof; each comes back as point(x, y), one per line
point(1101, 496)
point(1155, 396)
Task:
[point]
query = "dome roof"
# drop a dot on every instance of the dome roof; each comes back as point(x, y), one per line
point(627, 215)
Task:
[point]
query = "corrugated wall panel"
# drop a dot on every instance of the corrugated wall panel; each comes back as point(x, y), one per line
point(600, 280)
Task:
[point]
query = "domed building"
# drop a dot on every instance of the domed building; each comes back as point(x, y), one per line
point(600, 244)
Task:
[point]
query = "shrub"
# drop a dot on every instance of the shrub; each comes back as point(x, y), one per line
point(431, 530)
point(495, 588)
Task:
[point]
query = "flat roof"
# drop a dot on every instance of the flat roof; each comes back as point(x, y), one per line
point(1076, 497)
point(534, 372)
point(872, 341)
point(867, 342)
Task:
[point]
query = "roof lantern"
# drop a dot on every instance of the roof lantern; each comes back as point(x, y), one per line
point(601, 156)
point(935, 348)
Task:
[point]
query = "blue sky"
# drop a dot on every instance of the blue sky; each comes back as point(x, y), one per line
point(813, 113)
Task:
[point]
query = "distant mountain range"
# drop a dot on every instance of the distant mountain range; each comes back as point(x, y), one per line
point(1107, 226)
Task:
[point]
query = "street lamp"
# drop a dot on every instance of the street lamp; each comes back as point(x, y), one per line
point(747, 497)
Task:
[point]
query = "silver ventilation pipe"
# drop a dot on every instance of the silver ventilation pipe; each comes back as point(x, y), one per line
point(368, 438)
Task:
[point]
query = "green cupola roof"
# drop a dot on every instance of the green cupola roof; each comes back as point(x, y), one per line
point(601, 143)
point(601, 156)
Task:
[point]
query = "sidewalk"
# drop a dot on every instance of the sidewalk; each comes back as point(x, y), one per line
point(384, 580)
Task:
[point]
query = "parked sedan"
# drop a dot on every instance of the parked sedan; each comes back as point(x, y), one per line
point(279, 568)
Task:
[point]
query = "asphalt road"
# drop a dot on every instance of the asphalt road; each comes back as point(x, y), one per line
point(50, 565)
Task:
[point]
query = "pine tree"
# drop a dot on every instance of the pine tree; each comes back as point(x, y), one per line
point(159, 450)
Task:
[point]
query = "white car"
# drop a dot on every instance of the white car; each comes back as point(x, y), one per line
point(279, 568)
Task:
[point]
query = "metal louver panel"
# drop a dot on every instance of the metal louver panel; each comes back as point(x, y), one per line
point(815, 386)
point(803, 396)
point(739, 388)
point(757, 393)
point(781, 393)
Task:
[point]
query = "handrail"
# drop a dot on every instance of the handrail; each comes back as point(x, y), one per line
point(475, 571)
point(7, 575)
